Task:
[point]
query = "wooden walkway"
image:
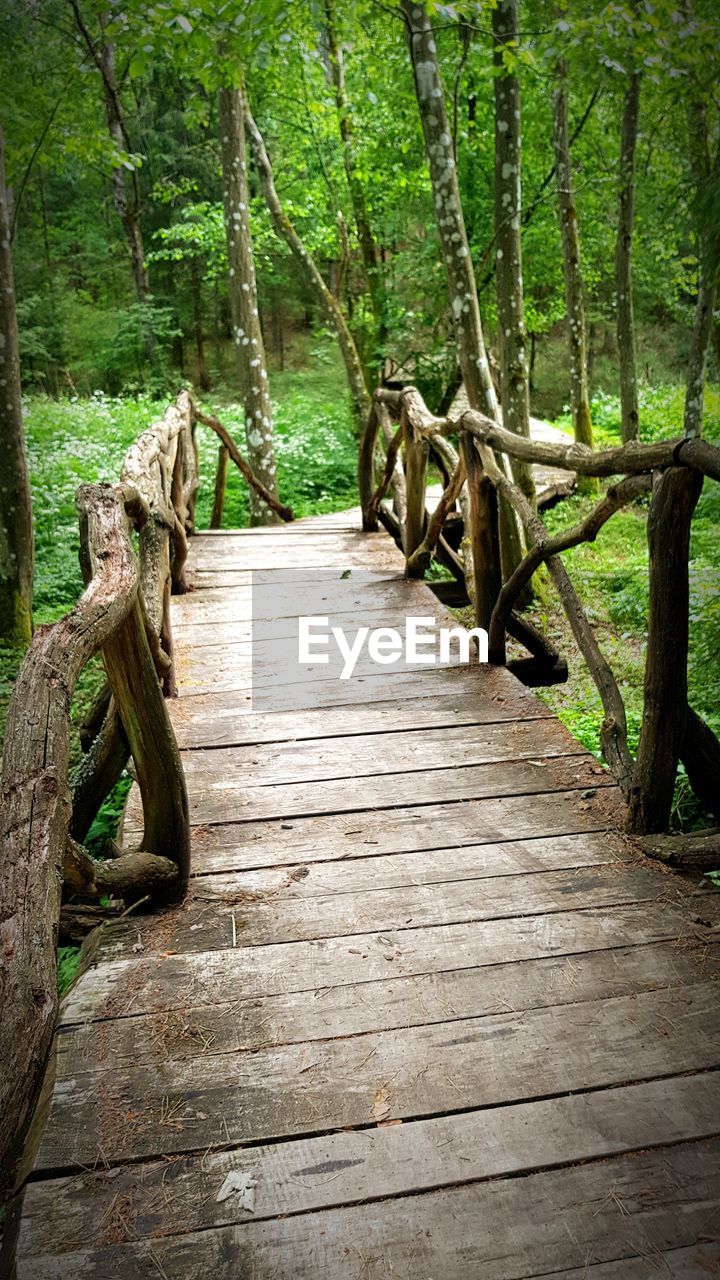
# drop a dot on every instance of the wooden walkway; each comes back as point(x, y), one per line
point(423, 1016)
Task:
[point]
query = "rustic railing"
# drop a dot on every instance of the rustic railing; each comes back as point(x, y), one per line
point(123, 614)
point(464, 531)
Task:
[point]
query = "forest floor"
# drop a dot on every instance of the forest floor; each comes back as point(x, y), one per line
point(73, 441)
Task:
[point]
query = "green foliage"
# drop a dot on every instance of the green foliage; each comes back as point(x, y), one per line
point(68, 962)
point(70, 442)
point(107, 820)
point(316, 447)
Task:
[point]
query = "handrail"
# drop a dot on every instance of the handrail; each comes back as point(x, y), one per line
point(474, 487)
point(124, 613)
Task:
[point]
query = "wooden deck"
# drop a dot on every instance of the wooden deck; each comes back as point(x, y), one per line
point(422, 1002)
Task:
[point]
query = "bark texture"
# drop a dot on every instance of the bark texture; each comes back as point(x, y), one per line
point(368, 247)
point(707, 176)
point(514, 387)
point(35, 809)
point(247, 333)
point(574, 301)
point(16, 531)
point(464, 307)
point(623, 261)
point(125, 185)
point(220, 487)
point(665, 707)
point(333, 312)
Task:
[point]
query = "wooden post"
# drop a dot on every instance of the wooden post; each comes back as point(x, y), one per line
point(220, 487)
point(97, 772)
point(366, 469)
point(178, 537)
point(142, 709)
point(665, 710)
point(192, 475)
point(416, 460)
point(485, 578)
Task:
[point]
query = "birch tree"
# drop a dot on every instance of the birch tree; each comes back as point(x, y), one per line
point(574, 300)
point(464, 307)
point(16, 530)
point(285, 229)
point(623, 261)
point(242, 289)
point(513, 346)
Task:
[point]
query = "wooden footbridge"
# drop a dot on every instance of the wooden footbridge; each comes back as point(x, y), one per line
point(424, 1010)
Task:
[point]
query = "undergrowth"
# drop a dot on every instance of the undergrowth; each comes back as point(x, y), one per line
point(74, 441)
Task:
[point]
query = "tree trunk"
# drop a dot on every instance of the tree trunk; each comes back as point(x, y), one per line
point(464, 307)
point(514, 387)
point(577, 335)
point(700, 753)
point(705, 173)
point(247, 333)
point(623, 262)
point(699, 342)
point(16, 531)
point(196, 285)
point(126, 203)
point(449, 215)
point(368, 247)
point(333, 312)
point(125, 189)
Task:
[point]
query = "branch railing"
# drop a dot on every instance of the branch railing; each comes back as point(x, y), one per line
point(470, 449)
point(124, 615)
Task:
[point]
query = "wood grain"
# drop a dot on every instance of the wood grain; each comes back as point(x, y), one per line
point(417, 960)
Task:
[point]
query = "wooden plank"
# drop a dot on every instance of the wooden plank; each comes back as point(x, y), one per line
point(286, 842)
point(189, 635)
point(363, 690)
point(227, 605)
point(697, 1262)
point(225, 801)
point(120, 984)
point(361, 582)
point(421, 867)
point(182, 1027)
point(336, 1169)
point(366, 754)
point(328, 1085)
point(341, 553)
point(497, 1229)
point(209, 722)
point(209, 923)
point(267, 669)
